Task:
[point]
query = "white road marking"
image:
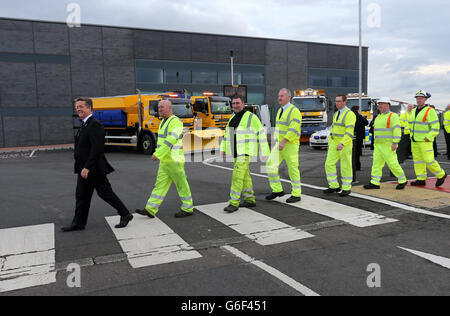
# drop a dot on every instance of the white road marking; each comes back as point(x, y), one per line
point(442, 261)
point(27, 257)
point(357, 195)
point(348, 214)
point(260, 228)
point(272, 271)
point(149, 242)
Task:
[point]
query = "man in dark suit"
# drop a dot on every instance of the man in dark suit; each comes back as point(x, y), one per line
point(358, 141)
point(92, 167)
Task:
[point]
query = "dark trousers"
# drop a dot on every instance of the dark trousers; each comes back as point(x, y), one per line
point(404, 148)
point(447, 139)
point(357, 153)
point(435, 148)
point(85, 190)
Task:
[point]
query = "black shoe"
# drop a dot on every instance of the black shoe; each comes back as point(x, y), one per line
point(72, 228)
point(418, 183)
point(274, 195)
point(124, 221)
point(231, 209)
point(331, 191)
point(371, 186)
point(345, 193)
point(441, 181)
point(144, 213)
point(293, 199)
point(182, 214)
point(247, 204)
point(401, 186)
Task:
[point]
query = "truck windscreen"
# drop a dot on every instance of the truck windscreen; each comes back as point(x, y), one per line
point(309, 104)
point(182, 110)
point(220, 107)
point(355, 102)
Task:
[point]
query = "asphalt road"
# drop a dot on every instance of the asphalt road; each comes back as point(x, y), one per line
point(40, 190)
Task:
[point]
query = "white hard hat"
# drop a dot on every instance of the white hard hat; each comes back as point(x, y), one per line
point(384, 100)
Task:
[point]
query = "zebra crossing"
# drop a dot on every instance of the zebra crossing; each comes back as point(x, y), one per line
point(27, 254)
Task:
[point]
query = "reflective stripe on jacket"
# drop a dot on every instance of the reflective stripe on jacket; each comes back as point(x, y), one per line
point(343, 130)
point(170, 140)
point(289, 126)
point(387, 128)
point(249, 134)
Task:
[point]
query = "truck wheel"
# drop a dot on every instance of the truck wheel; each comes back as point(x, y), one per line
point(147, 145)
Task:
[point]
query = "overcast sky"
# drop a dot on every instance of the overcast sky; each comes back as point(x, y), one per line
point(409, 41)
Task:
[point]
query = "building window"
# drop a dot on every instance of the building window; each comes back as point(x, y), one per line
point(204, 77)
point(174, 76)
point(149, 75)
point(253, 78)
point(225, 78)
point(333, 78)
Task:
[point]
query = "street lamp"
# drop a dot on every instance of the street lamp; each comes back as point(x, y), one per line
point(360, 54)
point(232, 67)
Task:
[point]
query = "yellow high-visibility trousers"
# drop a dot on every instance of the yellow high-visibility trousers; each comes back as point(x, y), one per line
point(423, 154)
point(169, 172)
point(242, 184)
point(345, 157)
point(383, 154)
point(290, 154)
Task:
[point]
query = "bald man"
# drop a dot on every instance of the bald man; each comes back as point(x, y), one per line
point(170, 154)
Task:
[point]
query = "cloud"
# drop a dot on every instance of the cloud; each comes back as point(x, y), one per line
point(407, 52)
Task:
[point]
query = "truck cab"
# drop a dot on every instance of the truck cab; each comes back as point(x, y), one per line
point(133, 120)
point(212, 110)
point(314, 106)
point(368, 105)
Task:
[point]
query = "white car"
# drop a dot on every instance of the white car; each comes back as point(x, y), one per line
point(319, 139)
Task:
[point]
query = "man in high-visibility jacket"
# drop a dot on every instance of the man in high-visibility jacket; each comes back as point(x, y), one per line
point(287, 137)
point(170, 154)
point(244, 138)
point(340, 147)
point(447, 129)
point(387, 133)
point(404, 148)
point(425, 127)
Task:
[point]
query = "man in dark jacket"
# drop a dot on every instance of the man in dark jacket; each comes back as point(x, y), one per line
point(358, 141)
point(92, 167)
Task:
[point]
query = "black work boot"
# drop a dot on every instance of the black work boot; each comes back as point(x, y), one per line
point(247, 204)
point(331, 191)
point(293, 199)
point(371, 186)
point(274, 195)
point(231, 209)
point(144, 213)
point(441, 181)
point(418, 183)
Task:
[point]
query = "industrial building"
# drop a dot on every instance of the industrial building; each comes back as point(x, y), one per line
point(45, 65)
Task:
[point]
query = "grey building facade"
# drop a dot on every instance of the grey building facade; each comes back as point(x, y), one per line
point(45, 65)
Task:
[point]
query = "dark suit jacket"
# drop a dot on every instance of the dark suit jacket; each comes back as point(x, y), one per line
point(360, 127)
point(89, 149)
